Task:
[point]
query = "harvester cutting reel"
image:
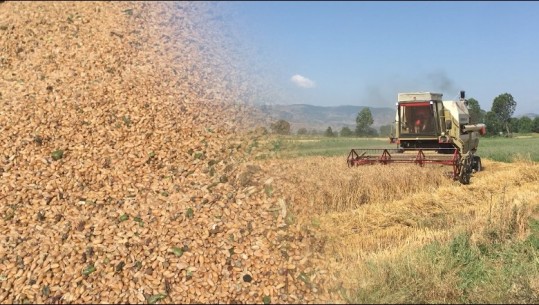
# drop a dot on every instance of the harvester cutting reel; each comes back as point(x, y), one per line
point(463, 165)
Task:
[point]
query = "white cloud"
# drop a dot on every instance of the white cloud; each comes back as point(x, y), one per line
point(302, 81)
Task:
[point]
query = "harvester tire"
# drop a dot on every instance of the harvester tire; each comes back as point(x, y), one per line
point(464, 178)
point(466, 170)
point(477, 164)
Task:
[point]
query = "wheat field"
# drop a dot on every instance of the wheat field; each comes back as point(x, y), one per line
point(383, 215)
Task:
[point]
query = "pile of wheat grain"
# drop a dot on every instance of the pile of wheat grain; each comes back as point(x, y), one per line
point(123, 177)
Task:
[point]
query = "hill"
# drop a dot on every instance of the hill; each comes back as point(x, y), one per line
point(529, 114)
point(320, 117)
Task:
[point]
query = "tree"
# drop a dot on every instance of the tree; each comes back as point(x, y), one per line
point(513, 124)
point(477, 115)
point(329, 132)
point(371, 132)
point(363, 122)
point(281, 127)
point(535, 127)
point(346, 132)
point(261, 130)
point(493, 124)
point(525, 125)
point(302, 131)
point(386, 130)
point(503, 107)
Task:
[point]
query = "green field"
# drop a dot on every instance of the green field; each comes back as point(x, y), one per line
point(496, 148)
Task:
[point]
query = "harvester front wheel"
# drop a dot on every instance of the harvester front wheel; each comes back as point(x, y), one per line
point(477, 164)
point(465, 170)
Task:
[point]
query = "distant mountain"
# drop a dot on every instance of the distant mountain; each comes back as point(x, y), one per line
point(320, 117)
point(530, 115)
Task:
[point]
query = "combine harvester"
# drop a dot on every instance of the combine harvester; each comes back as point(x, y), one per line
point(429, 131)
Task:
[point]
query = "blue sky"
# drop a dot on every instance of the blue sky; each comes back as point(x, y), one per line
point(364, 53)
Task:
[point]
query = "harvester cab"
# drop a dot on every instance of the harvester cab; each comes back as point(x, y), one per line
point(429, 130)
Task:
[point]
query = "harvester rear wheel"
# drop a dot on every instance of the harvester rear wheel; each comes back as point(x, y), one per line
point(477, 164)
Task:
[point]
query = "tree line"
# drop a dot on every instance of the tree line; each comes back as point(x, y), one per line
point(499, 121)
point(364, 120)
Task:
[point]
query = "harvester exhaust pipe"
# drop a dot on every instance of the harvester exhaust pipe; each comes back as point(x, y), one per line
point(463, 98)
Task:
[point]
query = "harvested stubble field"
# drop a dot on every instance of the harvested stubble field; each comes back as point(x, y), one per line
point(391, 234)
point(124, 175)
